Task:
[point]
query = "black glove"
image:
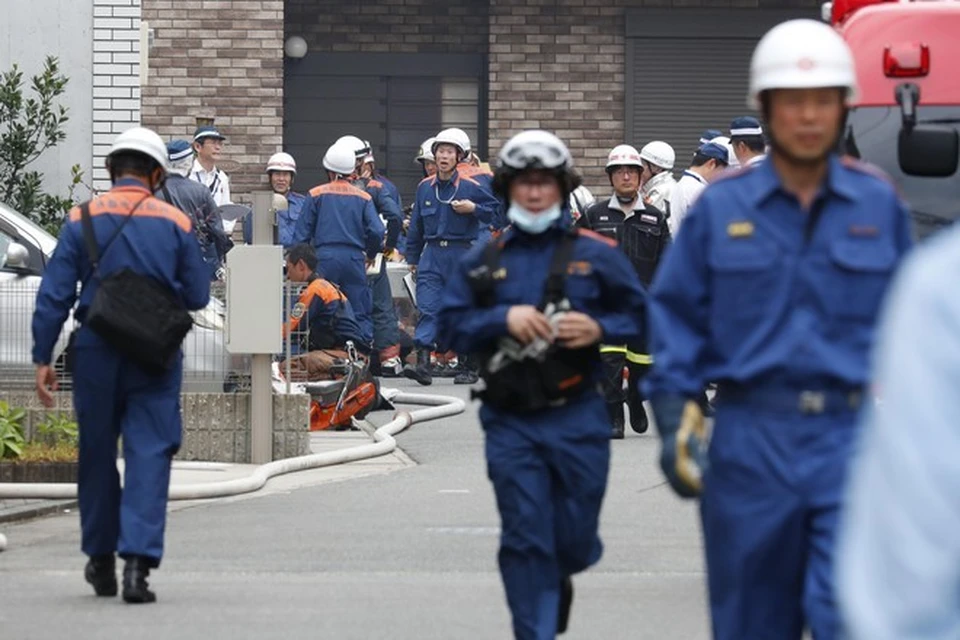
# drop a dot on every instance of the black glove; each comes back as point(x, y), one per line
point(683, 437)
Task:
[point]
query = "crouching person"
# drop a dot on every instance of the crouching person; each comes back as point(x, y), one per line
point(533, 306)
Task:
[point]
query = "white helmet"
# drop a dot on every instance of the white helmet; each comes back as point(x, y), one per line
point(340, 159)
point(456, 137)
point(425, 154)
point(659, 154)
point(534, 149)
point(724, 142)
point(623, 155)
point(801, 54)
point(360, 148)
point(282, 162)
point(142, 140)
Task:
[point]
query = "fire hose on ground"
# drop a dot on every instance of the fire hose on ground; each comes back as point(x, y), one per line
point(383, 444)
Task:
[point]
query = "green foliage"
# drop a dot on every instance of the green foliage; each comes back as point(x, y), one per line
point(11, 430)
point(28, 127)
point(58, 429)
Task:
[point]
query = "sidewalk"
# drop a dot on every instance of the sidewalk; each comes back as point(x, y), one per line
point(185, 472)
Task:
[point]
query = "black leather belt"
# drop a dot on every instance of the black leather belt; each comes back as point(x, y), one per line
point(805, 401)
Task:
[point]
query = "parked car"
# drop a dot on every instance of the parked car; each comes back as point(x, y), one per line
point(25, 249)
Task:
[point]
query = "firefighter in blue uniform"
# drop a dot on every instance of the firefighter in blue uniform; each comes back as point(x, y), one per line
point(772, 291)
point(113, 396)
point(340, 221)
point(533, 307)
point(281, 171)
point(447, 215)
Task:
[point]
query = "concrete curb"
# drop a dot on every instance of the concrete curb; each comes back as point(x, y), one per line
point(35, 510)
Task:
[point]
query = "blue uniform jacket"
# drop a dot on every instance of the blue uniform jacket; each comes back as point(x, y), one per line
point(195, 200)
point(386, 205)
point(390, 188)
point(328, 314)
point(286, 221)
point(338, 214)
point(434, 219)
point(158, 242)
point(600, 283)
point(485, 178)
point(742, 296)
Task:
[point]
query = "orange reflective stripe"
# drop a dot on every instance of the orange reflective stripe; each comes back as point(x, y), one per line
point(120, 202)
point(318, 288)
point(339, 187)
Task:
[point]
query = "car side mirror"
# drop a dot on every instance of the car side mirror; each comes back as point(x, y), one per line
point(929, 151)
point(17, 257)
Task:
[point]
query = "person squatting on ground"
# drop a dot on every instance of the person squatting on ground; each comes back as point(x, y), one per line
point(772, 290)
point(532, 307)
point(640, 231)
point(113, 395)
point(342, 224)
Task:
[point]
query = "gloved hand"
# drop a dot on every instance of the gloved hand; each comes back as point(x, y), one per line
point(683, 437)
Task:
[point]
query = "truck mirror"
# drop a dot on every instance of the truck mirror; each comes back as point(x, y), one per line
point(929, 151)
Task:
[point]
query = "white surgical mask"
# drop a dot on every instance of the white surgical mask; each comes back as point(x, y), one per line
point(530, 222)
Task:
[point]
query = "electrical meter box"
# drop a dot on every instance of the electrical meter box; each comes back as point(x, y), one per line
point(255, 299)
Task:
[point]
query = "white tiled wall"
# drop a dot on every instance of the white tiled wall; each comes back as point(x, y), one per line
point(116, 77)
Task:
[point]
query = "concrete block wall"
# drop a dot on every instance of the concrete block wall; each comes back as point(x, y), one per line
point(116, 77)
point(221, 59)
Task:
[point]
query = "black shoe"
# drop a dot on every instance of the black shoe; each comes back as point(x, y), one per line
point(101, 573)
point(466, 374)
point(617, 433)
point(420, 372)
point(566, 600)
point(638, 418)
point(135, 587)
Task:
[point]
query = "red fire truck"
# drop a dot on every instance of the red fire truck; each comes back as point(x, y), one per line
point(906, 117)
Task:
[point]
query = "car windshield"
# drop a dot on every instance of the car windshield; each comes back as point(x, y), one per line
point(30, 230)
point(934, 202)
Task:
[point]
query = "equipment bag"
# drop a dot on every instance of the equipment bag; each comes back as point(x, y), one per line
point(135, 314)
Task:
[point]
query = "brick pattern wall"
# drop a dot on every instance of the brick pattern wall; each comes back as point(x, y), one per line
point(221, 59)
point(116, 77)
point(559, 65)
point(390, 26)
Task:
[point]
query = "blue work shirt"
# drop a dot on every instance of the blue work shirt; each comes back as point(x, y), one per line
point(485, 178)
point(387, 207)
point(600, 283)
point(286, 221)
point(338, 214)
point(433, 216)
point(390, 188)
point(898, 557)
point(158, 241)
point(743, 296)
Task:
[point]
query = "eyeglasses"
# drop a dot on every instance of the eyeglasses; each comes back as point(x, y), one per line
point(625, 170)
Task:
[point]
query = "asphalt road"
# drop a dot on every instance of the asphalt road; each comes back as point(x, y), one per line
point(409, 554)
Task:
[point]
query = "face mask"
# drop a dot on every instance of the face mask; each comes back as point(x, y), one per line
point(534, 223)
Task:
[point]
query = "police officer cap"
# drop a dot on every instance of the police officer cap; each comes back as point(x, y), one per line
point(745, 126)
point(715, 151)
point(207, 131)
point(709, 135)
point(178, 150)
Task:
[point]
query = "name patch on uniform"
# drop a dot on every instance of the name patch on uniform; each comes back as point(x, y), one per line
point(297, 312)
point(427, 203)
point(579, 268)
point(740, 229)
point(500, 274)
point(646, 217)
point(604, 218)
point(864, 231)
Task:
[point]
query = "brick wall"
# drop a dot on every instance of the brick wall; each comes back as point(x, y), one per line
point(116, 77)
point(559, 64)
point(221, 59)
point(395, 26)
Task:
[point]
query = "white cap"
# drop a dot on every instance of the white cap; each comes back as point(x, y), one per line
point(724, 142)
point(659, 154)
point(425, 153)
point(624, 155)
point(340, 159)
point(142, 140)
point(282, 162)
point(454, 136)
point(801, 54)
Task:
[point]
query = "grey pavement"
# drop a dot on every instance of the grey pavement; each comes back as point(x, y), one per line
point(376, 549)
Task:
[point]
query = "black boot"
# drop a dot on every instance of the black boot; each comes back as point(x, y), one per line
point(420, 372)
point(615, 411)
point(566, 600)
point(101, 573)
point(135, 587)
point(467, 373)
point(638, 415)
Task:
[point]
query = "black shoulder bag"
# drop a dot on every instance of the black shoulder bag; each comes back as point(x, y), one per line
point(139, 317)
